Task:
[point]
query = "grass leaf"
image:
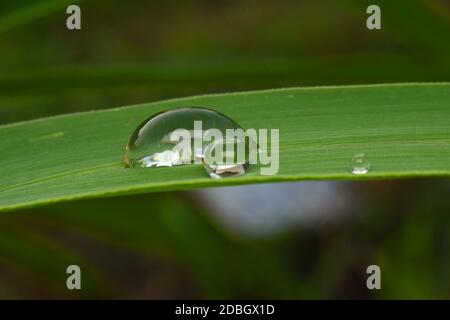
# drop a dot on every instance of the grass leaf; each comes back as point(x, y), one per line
point(404, 129)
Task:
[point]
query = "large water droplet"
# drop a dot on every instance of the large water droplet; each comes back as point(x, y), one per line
point(359, 164)
point(156, 141)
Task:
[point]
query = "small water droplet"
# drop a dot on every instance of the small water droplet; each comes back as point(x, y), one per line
point(156, 142)
point(359, 164)
point(221, 158)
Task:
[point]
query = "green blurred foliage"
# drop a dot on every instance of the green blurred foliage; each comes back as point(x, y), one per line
point(165, 245)
point(147, 50)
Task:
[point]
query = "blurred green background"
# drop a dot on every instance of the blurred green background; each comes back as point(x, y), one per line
point(180, 245)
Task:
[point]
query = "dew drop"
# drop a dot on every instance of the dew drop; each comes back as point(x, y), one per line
point(221, 160)
point(359, 164)
point(156, 142)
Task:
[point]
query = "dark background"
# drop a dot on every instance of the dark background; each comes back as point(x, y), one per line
point(299, 240)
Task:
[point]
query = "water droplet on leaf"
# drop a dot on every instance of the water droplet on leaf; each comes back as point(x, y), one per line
point(160, 141)
point(359, 164)
point(221, 158)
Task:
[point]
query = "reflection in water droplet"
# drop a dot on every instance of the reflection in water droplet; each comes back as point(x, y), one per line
point(359, 164)
point(157, 141)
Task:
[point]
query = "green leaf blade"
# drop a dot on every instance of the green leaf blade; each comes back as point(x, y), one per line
point(404, 129)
